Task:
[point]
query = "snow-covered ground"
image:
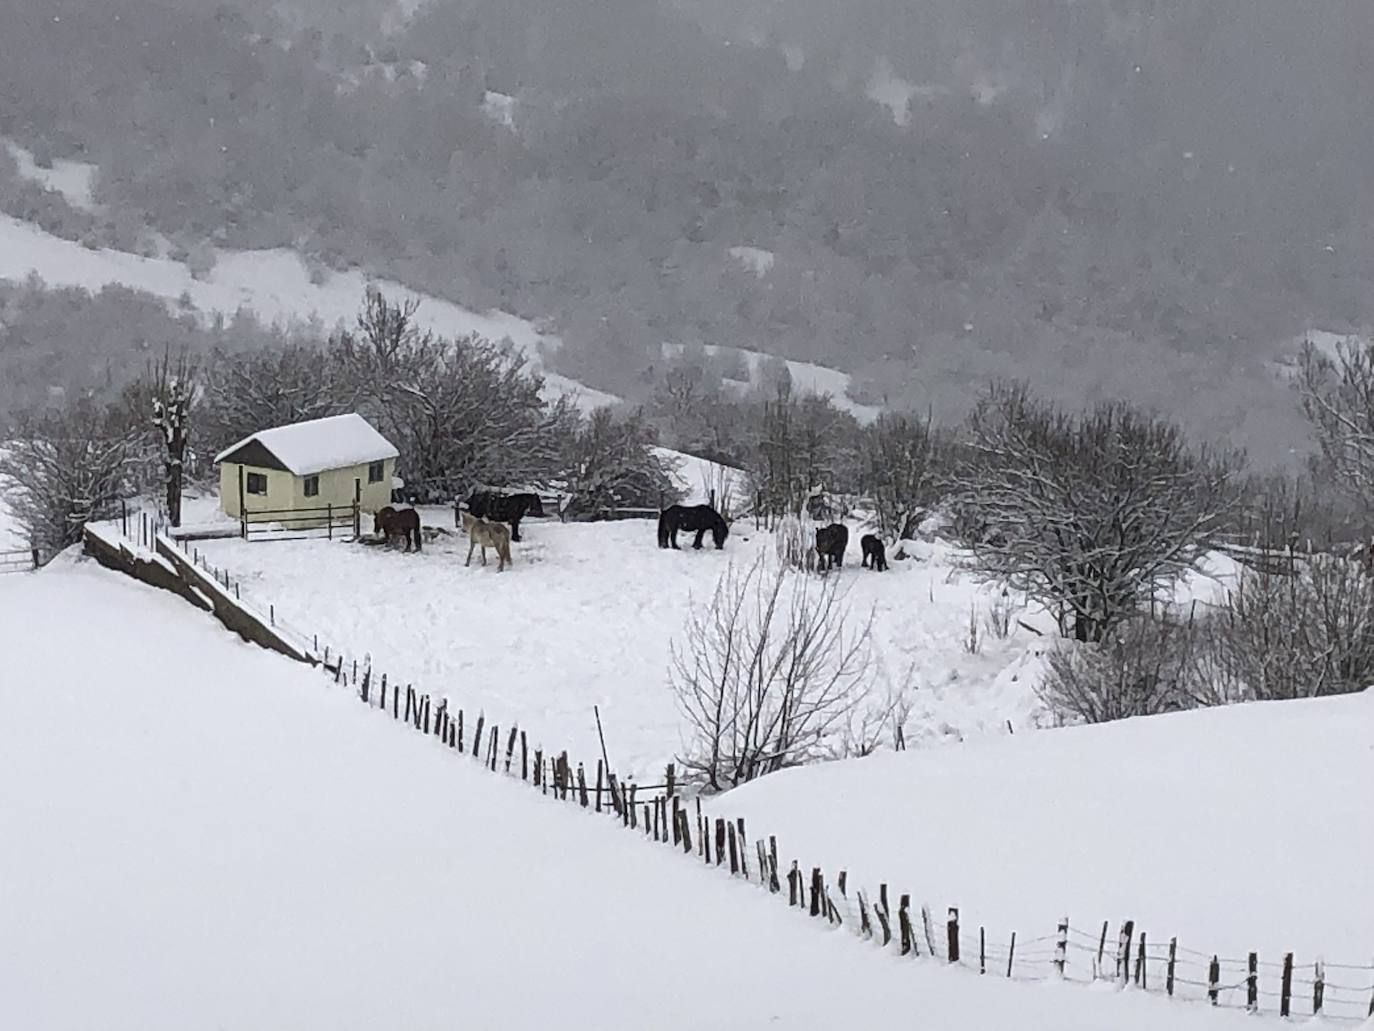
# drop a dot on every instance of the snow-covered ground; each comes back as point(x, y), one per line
point(75, 180)
point(586, 614)
point(1233, 829)
point(195, 833)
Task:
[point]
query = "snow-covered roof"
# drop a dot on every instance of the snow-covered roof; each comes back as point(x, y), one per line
point(306, 448)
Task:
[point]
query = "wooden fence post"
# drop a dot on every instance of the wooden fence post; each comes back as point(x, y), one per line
point(582, 785)
point(510, 751)
point(686, 834)
point(1169, 974)
point(525, 760)
point(793, 884)
point(1252, 985)
point(1011, 953)
point(720, 841)
point(1213, 980)
point(460, 732)
point(1101, 951)
point(1286, 985)
point(928, 927)
point(367, 683)
point(1061, 947)
point(383, 705)
point(773, 885)
point(600, 772)
point(477, 737)
point(1319, 989)
point(817, 888)
point(672, 780)
point(1140, 971)
point(734, 852)
point(904, 924)
point(952, 935)
point(982, 950)
point(884, 917)
point(1123, 952)
point(743, 865)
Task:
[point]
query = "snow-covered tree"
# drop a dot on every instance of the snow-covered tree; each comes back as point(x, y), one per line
point(1089, 514)
point(248, 391)
point(1338, 398)
point(613, 465)
point(60, 469)
point(171, 402)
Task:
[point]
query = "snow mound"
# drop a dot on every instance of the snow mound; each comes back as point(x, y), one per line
point(200, 834)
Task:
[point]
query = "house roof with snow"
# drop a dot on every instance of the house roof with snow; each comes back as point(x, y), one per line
point(307, 448)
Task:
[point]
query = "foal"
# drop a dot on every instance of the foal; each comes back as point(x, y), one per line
point(487, 535)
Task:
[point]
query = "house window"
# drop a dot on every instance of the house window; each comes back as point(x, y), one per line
point(375, 471)
point(312, 486)
point(256, 483)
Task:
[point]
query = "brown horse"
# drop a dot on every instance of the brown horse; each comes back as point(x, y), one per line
point(398, 522)
point(487, 535)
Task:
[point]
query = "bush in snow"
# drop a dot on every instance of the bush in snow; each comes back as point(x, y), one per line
point(774, 673)
point(794, 542)
point(63, 468)
point(1144, 667)
point(899, 459)
point(1090, 514)
point(1298, 632)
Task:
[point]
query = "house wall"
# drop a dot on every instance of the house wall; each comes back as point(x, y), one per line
point(286, 491)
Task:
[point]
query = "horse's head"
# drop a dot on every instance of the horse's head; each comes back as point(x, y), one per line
point(379, 519)
point(469, 520)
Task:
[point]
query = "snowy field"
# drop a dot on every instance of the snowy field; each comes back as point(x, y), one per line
point(197, 834)
point(585, 617)
point(1234, 829)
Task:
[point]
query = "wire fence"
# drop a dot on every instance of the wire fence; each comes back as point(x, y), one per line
point(664, 815)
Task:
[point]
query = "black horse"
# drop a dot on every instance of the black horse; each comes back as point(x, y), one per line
point(874, 552)
point(504, 508)
point(830, 543)
point(691, 517)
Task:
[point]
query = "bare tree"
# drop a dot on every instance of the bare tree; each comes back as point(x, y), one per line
point(1338, 399)
point(774, 673)
point(245, 392)
point(62, 469)
point(898, 462)
point(1092, 514)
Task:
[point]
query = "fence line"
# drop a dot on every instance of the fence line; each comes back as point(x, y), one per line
point(1125, 957)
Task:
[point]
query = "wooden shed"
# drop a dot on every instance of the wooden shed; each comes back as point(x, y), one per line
point(306, 468)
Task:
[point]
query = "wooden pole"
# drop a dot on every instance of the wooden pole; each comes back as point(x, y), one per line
point(1140, 970)
point(510, 750)
point(1011, 953)
point(720, 841)
point(525, 765)
point(596, 709)
point(600, 773)
point(982, 950)
point(1252, 984)
point(1173, 959)
point(904, 921)
point(734, 852)
point(1101, 951)
point(952, 935)
point(1213, 980)
point(1061, 947)
point(1286, 986)
point(1319, 989)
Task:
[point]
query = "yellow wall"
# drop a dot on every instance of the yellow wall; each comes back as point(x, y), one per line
point(286, 491)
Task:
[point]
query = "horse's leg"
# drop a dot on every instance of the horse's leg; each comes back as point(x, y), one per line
point(484, 553)
point(471, 544)
point(697, 543)
point(672, 538)
point(515, 529)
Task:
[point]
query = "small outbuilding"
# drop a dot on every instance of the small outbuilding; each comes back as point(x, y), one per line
point(308, 467)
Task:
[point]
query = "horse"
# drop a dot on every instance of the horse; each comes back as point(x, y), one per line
point(830, 544)
point(874, 552)
point(506, 508)
point(398, 522)
point(487, 535)
point(691, 517)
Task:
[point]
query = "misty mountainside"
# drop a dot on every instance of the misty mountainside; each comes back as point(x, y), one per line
point(1144, 199)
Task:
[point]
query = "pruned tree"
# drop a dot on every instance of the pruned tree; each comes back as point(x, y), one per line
point(1089, 514)
point(899, 469)
point(61, 469)
point(1337, 395)
point(172, 399)
point(613, 465)
point(774, 673)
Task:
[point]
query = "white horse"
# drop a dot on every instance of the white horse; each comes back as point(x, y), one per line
point(484, 534)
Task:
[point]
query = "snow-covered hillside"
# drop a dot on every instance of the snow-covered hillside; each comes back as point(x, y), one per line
point(1234, 829)
point(586, 615)
point(274, 284)
point(807, 378)
point(195, 833)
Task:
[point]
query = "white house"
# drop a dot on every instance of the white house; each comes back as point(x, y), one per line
point(307, 467)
